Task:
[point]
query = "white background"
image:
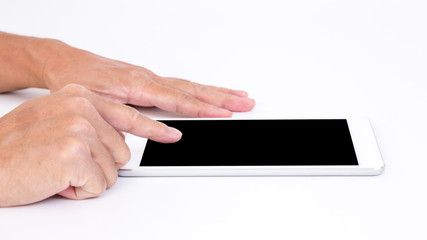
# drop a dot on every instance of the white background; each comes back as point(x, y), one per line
point(297, 59)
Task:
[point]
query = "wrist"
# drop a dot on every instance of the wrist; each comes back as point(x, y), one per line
point(44, 53)
point(54, 53)
point(18, 66)
point(23, 61)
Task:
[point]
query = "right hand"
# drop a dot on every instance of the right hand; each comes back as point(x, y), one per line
point(68, 143)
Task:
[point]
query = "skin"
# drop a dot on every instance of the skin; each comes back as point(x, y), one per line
point(71, 142)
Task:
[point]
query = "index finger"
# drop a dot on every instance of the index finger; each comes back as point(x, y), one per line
point(127, 119)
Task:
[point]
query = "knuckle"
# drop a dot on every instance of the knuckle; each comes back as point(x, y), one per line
point(180, 80)
point(73, 147)
point(184, 97)
point(133, 113)
point(80, 125)
point(75, 89)
point(133, 117)
point(183, 101)
point(81, 103)
point(76, 104)
point(136, 74)
point(199, 89)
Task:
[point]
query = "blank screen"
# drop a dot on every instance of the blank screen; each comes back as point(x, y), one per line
point(254, 143)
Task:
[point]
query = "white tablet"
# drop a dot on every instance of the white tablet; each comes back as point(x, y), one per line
point(259, 147)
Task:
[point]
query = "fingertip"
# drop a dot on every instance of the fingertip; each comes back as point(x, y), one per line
point(250, 104)
point(174, 134)
point(168, 135)
point(240, 104)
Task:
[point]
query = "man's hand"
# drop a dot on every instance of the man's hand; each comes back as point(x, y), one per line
point(70, 143)
point(136, 85)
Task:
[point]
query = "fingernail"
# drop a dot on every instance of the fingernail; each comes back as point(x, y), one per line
point(251, 104)
point(175, 132)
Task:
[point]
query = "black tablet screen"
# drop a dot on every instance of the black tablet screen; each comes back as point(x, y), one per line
point(255, 143)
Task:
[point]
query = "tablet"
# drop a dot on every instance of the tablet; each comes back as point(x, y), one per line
point(259, 147)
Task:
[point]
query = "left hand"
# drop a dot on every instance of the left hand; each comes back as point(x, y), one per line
point(139, 86)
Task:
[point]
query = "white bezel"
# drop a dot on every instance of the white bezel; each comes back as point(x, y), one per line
point(368, 156)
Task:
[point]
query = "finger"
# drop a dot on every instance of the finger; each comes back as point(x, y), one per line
point(220, 97)
point(83, 177)
point(100, 173)
point(219, 89)
point(126, 119)
point(105, 161)
point(94, 186)
point(174, 100)
point(113, 140)
point(238, 93)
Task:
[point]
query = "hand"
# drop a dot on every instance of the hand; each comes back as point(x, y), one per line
point(136, 85)
point(69, 143)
